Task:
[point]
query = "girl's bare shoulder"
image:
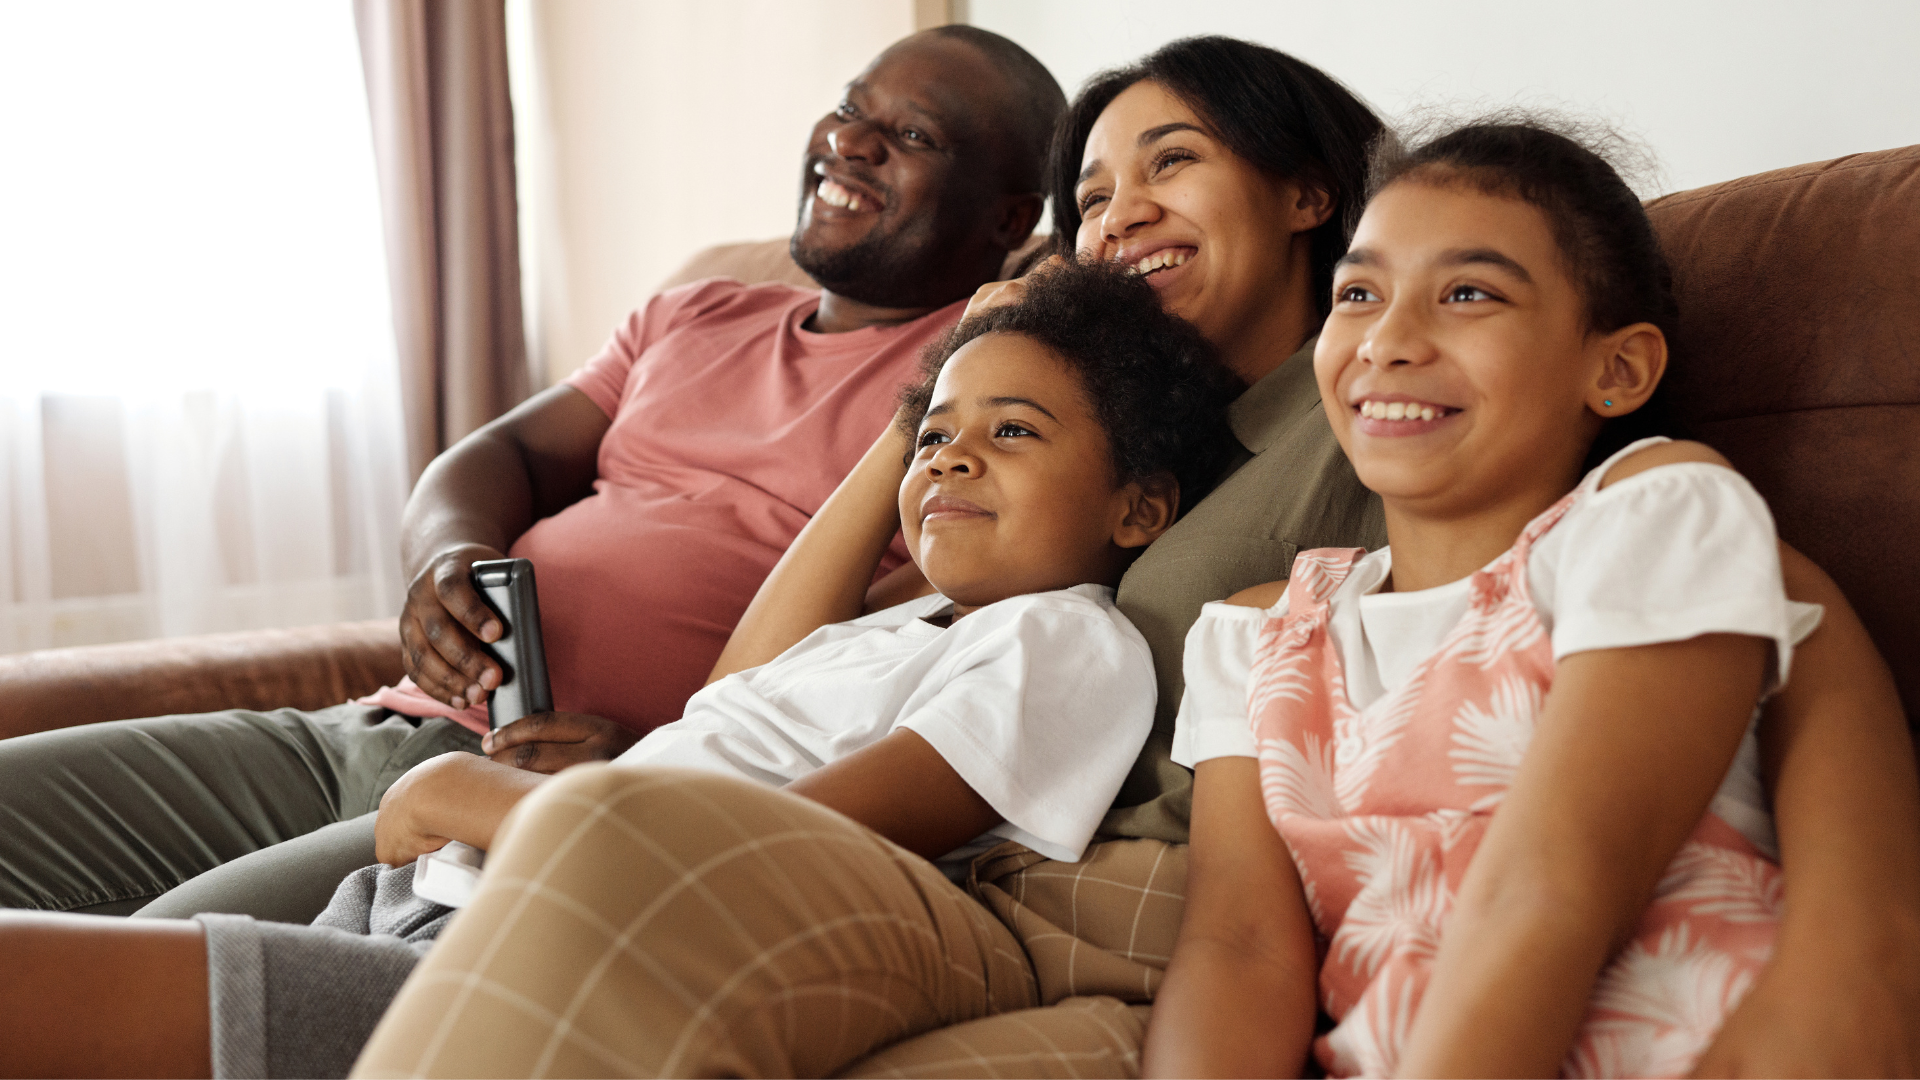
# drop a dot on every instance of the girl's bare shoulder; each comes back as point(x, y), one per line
point(1260, 596)
point(1678, 452)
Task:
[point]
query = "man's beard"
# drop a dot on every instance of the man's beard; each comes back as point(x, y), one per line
point(880, 269)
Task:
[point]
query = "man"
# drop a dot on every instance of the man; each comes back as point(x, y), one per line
point(653, 491)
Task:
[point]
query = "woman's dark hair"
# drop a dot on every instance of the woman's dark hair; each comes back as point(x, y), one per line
point(1156, 386)
point(1601, 229)
point(1287, 117)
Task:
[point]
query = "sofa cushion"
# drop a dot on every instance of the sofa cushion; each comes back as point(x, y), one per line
point(1798, 356)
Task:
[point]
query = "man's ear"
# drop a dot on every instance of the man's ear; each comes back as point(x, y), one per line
point(1019, 216)
point(1632, 361)
point(1151, 506)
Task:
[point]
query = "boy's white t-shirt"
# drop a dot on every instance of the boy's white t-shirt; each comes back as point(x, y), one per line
point(1665, 555)
point(1040, 702)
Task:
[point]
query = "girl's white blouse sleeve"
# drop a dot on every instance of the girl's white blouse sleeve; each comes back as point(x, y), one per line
point(1212, 721)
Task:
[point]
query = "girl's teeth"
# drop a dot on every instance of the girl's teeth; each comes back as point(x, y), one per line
point(1397, 410)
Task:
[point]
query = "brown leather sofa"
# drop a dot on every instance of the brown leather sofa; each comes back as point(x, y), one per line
point(1800, 339)
point(1800, 292)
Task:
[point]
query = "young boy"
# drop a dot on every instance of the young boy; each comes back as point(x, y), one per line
point(1047, 445)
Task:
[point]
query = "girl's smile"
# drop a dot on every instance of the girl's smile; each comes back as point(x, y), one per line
point(1396, 415)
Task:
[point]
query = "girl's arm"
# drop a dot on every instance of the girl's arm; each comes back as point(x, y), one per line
point(1841, 992)
point(824, 576)
point(1627, 754)
point(1239, 997)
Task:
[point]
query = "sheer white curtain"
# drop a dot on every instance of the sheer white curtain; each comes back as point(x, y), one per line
point(199, 420)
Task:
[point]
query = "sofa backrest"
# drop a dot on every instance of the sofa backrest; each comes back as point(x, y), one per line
point(1798, 357)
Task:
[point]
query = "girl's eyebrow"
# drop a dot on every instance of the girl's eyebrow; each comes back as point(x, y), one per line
point(1454, 257)
point(1484, 257)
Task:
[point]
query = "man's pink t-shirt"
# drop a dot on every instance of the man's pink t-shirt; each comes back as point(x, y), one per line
point(731, 425)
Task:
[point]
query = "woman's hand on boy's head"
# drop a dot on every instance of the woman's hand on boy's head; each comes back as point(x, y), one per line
point(549, 742)
point(1006, 293)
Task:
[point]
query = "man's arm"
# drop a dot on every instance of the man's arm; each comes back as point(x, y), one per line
point(471, 504)
point(1841, 993)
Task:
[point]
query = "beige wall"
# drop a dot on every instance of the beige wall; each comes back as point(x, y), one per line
point(1717, 89)
point(650, 129)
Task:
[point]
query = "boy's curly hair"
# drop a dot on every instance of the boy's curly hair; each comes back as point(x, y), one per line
point(1156, 386)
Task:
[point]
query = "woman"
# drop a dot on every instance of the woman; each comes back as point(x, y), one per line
point(1223, 171)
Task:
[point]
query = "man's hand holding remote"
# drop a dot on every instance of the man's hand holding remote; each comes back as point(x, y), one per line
point(443, 624)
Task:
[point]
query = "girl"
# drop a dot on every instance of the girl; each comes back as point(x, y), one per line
point(1048, 444)
point(1479, 781)
point(1243, 164)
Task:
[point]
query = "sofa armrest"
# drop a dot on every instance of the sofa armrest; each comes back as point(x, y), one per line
point(307, 668)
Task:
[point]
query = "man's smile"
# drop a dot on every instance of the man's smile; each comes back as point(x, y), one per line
point(846, 193)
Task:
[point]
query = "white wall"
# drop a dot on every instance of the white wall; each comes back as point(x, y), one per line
point(650, 129)
point(1718, 89)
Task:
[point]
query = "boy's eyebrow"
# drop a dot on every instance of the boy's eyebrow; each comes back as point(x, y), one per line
point(1358, 257)
point(1028, 402)
point(1147, 138)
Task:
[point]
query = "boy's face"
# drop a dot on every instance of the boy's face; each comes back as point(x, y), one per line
point(1011, 489)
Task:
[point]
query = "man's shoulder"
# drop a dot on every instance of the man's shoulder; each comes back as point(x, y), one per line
point(725, 298)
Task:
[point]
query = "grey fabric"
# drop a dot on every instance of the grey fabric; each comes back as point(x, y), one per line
point(104, 817)
point(289, 882)
point(379, 900)
point(302, 1000)
point(296, 1001)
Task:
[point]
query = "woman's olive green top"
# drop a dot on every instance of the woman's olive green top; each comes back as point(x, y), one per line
point(1292, 490)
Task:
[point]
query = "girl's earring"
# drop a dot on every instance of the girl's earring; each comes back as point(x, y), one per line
point(1608, 403)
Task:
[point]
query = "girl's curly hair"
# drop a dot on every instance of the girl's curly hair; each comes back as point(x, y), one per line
point(1156, 386)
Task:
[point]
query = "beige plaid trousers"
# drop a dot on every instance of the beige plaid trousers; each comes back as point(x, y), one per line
point(661, 922)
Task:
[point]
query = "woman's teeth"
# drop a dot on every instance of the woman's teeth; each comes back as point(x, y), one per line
point(1401, 410)
point(1162, 259)
point(834, 195)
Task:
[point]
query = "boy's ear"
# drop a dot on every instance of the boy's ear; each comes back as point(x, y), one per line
point(1151, 506)
point(1633, 360)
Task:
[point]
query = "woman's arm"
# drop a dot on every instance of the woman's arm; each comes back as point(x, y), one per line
point(824, 576)
point(1627, 754)
point(1842, 992)
point(1239, 997)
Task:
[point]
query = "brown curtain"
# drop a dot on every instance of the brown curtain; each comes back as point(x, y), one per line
point(436, 74)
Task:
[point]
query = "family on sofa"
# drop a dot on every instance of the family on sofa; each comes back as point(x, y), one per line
point(1102, 578)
